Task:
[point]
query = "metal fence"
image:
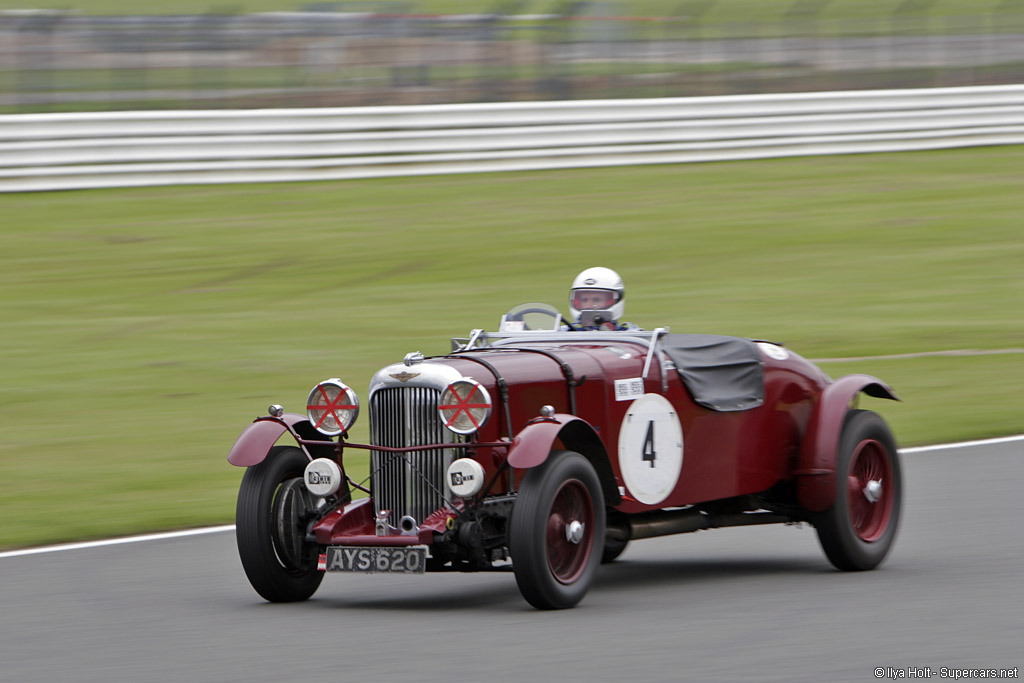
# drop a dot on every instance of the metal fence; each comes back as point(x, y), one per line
point(53, 61)
point(120, 149)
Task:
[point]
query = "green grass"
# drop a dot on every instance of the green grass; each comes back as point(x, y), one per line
point(946, 399)
point(144, 328)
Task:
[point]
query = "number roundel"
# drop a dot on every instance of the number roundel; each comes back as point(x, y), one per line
point(650, 449)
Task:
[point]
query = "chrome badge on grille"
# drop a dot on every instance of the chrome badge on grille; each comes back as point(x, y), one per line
point(404, 376)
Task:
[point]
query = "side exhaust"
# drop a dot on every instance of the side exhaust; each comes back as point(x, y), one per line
point(685, 521)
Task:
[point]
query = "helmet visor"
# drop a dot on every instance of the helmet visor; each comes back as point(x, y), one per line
point(593, 299)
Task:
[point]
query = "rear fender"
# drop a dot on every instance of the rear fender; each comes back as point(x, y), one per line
point(256, 440)
point(816, 467)
point(534, 443)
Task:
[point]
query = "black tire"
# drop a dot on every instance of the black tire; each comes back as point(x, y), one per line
point(613, 547)
point(552, 570)
point(270, 528)
point(857, 532)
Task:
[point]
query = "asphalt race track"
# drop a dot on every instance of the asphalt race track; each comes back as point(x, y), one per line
point(756, 603)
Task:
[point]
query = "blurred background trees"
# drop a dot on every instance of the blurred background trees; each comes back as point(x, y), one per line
point(382, 53)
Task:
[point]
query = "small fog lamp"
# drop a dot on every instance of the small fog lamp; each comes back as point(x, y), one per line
point(465, 477)
point(322, 477)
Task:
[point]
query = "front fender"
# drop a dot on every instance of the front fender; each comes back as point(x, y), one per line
point(532, 445)
point(256, 440)
point(815, 473)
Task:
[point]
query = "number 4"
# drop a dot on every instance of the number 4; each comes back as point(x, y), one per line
point(649, 454)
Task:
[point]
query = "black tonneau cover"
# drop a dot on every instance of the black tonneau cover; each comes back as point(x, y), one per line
point(721, 373)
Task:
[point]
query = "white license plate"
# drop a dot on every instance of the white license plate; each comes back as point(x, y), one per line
point(377, 559)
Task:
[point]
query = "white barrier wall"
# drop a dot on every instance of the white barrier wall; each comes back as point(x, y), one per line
point(123, 149)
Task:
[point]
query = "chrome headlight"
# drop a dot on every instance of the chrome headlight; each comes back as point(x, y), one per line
point(465, 406)
point(332, 407)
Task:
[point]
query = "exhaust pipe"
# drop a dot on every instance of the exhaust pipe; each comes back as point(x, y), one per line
point(688, 520)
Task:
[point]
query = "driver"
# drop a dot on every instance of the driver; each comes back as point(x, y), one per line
point(599, 289)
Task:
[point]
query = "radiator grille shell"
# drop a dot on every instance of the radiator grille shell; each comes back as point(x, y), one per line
point(411, 483)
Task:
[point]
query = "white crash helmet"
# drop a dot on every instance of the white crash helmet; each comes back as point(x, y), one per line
point(598, 289)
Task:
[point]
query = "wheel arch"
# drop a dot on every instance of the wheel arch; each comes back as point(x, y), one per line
point(816, 466)
point(534, 443)
point(254, 443)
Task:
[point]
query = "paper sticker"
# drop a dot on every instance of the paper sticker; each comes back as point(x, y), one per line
point(628, 389)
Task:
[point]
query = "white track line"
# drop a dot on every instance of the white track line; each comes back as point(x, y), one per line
point(230, 527)
point(956, 353)
point(963, 444)
point(119, 541)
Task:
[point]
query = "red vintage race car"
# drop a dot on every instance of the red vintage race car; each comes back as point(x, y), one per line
point(553, 448)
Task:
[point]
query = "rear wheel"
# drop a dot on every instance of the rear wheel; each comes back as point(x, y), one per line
point(857, 532)
point(273, 510)
point(557, 530)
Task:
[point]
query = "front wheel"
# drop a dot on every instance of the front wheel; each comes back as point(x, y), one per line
point(557, 530)
point(273, 510)
point(857, 532)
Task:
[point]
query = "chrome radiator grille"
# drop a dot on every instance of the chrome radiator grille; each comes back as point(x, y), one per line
point(407, 483)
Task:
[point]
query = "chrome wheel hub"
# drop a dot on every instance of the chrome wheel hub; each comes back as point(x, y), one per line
point(873, 491)
point(574, 532)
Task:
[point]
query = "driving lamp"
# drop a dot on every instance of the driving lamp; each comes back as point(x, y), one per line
point(465, 477)
point(322, 477)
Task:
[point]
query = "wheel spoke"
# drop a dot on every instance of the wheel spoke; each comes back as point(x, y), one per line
point(853, 487)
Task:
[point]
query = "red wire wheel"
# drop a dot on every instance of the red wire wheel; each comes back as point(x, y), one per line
point(570, 531)
point(858, 530)
point(553, 533)
point(869, 490)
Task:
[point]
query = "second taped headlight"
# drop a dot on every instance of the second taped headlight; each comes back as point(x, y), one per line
point(465, 406)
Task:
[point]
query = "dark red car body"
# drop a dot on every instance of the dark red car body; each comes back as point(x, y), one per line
point(772, 451)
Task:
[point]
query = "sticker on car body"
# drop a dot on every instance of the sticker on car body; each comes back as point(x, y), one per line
point(628, 389)
point(650, 449)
